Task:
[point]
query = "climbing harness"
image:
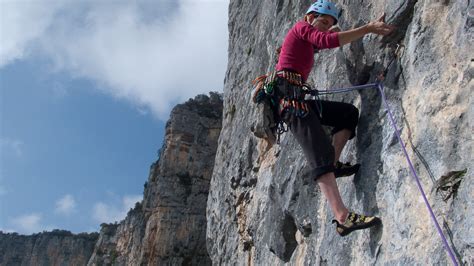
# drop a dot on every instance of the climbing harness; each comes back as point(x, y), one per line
point(294, 103)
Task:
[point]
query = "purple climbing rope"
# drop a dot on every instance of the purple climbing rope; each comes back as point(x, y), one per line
point(415, 175)
point(397, 132)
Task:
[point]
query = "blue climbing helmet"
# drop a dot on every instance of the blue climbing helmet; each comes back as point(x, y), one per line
point(325, 7)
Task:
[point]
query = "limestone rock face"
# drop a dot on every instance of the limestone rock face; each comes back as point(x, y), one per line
point(263, 209)
point(168, 227)
point(50, 248)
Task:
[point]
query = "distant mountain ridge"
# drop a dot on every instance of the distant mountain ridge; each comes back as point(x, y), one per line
point(168, 227)
point(58, 247)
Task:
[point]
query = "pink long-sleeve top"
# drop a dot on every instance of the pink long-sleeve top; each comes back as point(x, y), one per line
point(297, 51)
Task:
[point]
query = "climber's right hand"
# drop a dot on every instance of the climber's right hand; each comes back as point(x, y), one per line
point(379, 26)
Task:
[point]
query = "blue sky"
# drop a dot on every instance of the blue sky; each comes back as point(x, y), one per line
point(85, 90)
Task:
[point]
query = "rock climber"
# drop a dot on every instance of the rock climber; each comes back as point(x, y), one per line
point(305, 119)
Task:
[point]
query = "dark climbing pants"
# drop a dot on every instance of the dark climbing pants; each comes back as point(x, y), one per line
point(309, 133)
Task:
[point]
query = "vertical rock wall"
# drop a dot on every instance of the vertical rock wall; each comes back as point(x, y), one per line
point(262, 208)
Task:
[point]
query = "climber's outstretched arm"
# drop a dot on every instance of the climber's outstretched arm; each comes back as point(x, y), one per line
point(377, 27)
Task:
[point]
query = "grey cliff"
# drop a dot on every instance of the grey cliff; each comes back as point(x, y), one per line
point(263, 209)
point(168, 227)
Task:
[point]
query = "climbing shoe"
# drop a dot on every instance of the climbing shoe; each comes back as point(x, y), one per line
point(345, 169)
point(354, 222)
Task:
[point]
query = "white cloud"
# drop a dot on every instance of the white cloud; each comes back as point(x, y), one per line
point(65, 205)
point(29, 223)
point(21, 23)
point(109, 213)
point(150, 58)
point(11, 146)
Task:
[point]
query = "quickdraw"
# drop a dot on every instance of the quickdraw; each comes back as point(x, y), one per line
point(296, 100)
point(292, 103)
point(263, 85)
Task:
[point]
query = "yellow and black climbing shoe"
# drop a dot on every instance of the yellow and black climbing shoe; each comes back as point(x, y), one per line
point(345, 169)
point(354, 222)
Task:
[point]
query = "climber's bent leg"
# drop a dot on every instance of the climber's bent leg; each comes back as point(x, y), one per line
point(339, 140)
point(343, 117)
